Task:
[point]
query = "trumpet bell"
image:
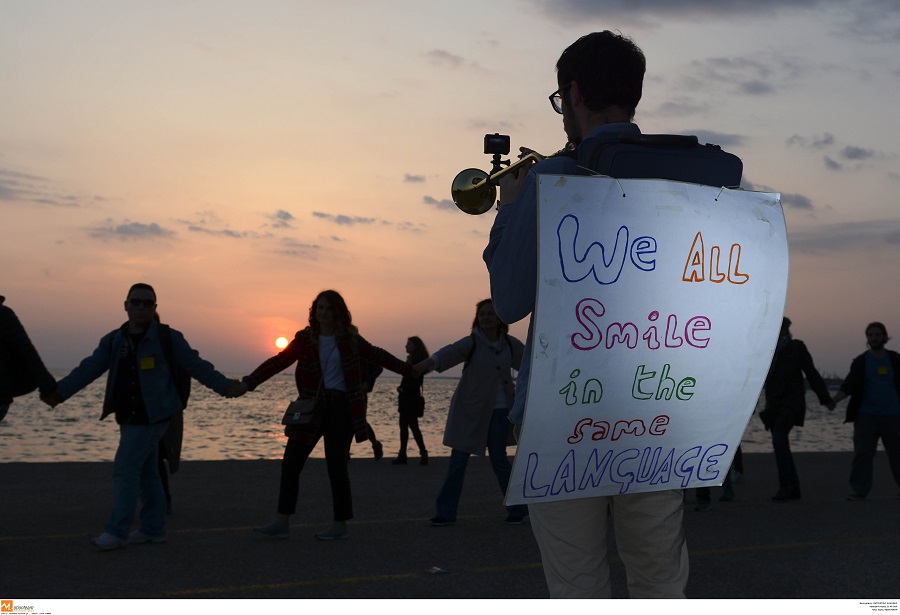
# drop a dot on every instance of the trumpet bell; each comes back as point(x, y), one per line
point(471, 197)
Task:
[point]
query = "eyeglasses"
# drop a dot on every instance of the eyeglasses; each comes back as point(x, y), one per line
point(557, 96)
point(147, 303)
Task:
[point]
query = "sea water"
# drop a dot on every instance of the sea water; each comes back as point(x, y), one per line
point(249, 427)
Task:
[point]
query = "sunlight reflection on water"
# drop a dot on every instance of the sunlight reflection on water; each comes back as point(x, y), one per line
point(249, 427)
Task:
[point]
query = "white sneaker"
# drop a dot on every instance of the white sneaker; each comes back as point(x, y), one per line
point(138, 537)
point(108, 542)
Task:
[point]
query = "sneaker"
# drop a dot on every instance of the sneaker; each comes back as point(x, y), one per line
point(335, 532)
point(441, 522)
point(516, 518)
point(108, 542)
point(703, 506)
point(273, 530)
point(140, 538)
point(855, 497)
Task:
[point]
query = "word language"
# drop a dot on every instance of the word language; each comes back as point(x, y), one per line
point(602, 468)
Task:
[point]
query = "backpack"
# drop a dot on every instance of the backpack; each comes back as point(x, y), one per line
point(181, 378)
point(673, 157)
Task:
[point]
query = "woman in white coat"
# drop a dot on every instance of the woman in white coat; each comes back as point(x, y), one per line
point(479, 407)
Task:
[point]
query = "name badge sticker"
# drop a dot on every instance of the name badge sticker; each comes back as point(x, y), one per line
point(148, 363)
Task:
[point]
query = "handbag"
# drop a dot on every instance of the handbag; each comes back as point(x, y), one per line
point(302, 412)
point(419, 406)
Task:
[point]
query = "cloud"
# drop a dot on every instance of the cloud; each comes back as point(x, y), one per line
point(413, 179)
point(130, 231)
point(344, 220)
point(194, 228)
point(837, 152)
point(847, 237)
point(281, 219)
point(864, 18)
point(857, 153)
point(445, 204)
point(445, 59)
point(17, 187)
point(297, 249)
point(796, 201)
point(816, 142)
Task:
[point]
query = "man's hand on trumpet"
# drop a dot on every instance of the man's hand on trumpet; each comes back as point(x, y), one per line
point(511, 183)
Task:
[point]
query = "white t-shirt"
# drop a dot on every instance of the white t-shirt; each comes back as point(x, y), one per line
point(330, 358)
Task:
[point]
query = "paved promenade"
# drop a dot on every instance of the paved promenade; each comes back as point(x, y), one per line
point(819, 547)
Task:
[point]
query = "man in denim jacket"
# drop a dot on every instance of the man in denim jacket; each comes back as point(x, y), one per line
point(600, 77)
point(141, 393)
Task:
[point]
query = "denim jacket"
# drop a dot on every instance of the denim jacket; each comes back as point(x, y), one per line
point(157, 386)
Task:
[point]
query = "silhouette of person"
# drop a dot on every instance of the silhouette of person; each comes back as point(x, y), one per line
point(329, 354)
point(411, 403)
point(21, 368)
point(142, 395)
point(785, 405)
point(478, 408)
point(873, 386)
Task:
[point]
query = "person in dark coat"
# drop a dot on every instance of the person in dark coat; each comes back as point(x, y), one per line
point(21, 368)
point(873, 386)
point(786, 404)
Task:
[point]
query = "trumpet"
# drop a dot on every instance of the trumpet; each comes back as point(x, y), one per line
point(475, 191)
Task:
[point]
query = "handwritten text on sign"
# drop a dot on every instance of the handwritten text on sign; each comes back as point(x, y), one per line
point(656, 319)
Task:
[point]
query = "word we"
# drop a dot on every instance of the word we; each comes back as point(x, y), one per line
point(577, 266)
point(589, 311)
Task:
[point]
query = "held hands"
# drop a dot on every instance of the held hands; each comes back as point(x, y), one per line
point(236, 388)
point(423, 367)
point(52, 399)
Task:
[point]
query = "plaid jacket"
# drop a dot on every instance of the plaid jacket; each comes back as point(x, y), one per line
point(304, 350)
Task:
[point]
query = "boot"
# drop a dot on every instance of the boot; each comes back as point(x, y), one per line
point(423, 458)
point(377, 449)
point(788, 490)
point(400, 460)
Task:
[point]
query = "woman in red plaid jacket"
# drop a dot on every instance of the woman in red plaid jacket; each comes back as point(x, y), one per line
point(328, 354)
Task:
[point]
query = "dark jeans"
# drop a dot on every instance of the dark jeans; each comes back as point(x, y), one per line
point(866, 431)
point(407, 424)
point(448, 497)
point(337, 429)
point(784, 460)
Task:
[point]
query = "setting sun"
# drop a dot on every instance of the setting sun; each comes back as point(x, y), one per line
point(281, 342)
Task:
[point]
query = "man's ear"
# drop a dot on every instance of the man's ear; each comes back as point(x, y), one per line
point(575, 96)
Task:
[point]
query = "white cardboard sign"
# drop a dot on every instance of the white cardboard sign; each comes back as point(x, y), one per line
point(658, 308)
